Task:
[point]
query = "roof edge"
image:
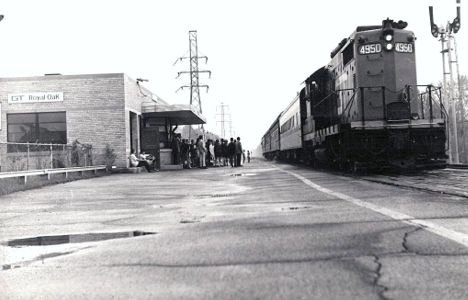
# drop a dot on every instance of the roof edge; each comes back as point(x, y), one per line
point(62, 77)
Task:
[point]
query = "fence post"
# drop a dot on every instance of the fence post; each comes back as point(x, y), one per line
point(63, 153)
point(85, 157)
point(27, 159)
point(69, 164)
point(51, 158)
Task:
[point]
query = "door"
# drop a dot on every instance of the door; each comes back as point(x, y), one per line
point(150, 142)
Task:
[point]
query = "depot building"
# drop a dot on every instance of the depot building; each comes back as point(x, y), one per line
point(95, 109)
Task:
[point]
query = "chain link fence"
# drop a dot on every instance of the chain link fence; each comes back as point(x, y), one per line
point(37, 156)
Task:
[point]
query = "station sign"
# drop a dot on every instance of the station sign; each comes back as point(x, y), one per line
point(35, 97)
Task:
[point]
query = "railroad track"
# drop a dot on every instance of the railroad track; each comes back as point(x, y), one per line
point(457, 166)
point(449, 181)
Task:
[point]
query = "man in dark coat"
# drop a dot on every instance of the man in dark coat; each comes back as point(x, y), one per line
point(231, 151)
point(176, 142)
point(218, 153)
point(225, 152)
point(193, 154)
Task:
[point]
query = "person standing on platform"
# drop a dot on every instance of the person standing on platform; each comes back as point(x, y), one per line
point(208, 153)
point(212, 153)
point(185, 151)
point(193, 154)
point(176, 149)
point(238, 152)
point(225, 153)
point(231, 152)
point(218, 151)
point(248, 156)
point(201, 152)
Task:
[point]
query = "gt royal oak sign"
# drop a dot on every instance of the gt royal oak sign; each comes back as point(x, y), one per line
point(35, 97)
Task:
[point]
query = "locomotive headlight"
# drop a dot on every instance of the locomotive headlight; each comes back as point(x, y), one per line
point(388, 37)
point(389, 46)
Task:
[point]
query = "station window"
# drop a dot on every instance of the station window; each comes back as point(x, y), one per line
point(44, 127)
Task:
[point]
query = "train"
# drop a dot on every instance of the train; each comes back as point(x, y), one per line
point(364, 109)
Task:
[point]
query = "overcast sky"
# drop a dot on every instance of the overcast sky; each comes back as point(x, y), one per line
point(259, 51)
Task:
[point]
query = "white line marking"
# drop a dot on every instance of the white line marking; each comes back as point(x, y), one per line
point(455, 236)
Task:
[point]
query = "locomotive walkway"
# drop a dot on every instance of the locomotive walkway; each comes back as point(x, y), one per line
point(262, 231)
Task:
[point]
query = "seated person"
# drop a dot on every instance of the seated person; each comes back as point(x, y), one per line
point(149, 158)
point(138, 162)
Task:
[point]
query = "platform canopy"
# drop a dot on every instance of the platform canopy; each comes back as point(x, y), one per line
point(176, 114)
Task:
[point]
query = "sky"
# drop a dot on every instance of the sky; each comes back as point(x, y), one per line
point(259, 52)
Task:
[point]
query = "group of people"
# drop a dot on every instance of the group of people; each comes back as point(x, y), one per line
point(211, 153)
point(201, 154)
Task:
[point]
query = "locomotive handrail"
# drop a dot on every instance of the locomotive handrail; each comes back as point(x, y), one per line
point(326, 97)
point(384, 90)
point(344, 90)
point(350, 100)
point(429, 89)
point(348, 106)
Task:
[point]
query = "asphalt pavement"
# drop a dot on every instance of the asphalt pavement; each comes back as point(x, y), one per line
point(261, 231)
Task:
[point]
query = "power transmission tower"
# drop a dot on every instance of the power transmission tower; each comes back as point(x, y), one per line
point(222, 111)
point(449, 57)
point(194, 72)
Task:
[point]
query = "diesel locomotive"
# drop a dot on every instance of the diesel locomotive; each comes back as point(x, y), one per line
point(364, 109)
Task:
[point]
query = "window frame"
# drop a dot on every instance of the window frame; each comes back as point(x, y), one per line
point(36, 127)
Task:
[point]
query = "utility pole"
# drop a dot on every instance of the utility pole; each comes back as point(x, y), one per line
point(461, 99)
point(222, 111)
point(195, 100)
point(447, 39)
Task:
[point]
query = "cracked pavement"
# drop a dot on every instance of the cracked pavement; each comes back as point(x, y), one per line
point(232, 233)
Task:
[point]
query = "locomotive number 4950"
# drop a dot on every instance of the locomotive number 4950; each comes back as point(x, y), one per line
point(404, 47)
point(370, 48)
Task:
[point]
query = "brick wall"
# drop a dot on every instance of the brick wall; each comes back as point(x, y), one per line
point(94, 106)
point(97, 108)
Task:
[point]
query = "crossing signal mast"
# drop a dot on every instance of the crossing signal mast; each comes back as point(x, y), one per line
point(194, 72)
point(450, 58)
